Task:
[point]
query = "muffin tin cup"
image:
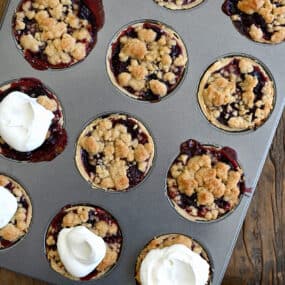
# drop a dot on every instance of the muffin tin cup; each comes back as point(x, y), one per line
point(63, 120)
point(205, 249)
point(26, 235)
point(113, 79)
point(49, 68)
point(244, 35)
point(226, 129)
point(93, 187)
point(91, 280)
point(184, 216)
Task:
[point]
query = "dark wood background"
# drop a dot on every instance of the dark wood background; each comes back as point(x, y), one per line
point(259, 255)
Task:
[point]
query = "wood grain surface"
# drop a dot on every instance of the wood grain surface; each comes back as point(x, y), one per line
point(259, 255)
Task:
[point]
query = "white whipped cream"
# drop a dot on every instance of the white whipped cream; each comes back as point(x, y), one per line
point(8, 206)
point(80, 250)
point(174, 265)
point(24, 123)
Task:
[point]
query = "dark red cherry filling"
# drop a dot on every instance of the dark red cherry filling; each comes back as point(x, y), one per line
point(117, 66)
point(134, 174)
point(226, 72)
point(226, 155)
point(94, 216)
point(90, 10)
point(230, 8)
point(57, 140)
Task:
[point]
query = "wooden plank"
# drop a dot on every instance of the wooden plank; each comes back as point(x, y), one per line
point(259, 256)
point(2, 9)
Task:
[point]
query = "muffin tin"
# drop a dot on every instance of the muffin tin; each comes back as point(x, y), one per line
point(86, 91)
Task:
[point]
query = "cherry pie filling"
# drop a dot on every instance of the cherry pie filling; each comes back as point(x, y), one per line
point(193, 201)
point(89, 216)
point(255, 18)
point(119, 66)
point(46, 53)
point(135, 174)
point(57, 138)
point(20, 225)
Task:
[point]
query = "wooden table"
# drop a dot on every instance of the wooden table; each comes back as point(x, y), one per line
point(259, 256)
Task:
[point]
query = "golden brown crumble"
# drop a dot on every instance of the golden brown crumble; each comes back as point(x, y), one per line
point(178, 4)
point(166, 241)
point(152, 66)
point(105, 227)
point(204, 187)
point(62, 35)
point(271, 12)
point(236, 94)
point(113, 150)
point(20, 223)
point(48, 103)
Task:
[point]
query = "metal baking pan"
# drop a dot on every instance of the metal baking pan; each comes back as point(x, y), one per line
point(85, 91)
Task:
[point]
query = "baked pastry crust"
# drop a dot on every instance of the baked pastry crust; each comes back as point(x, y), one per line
point(146, 60)
point(259, 20)
point(20, 223)
point(178, 4)
point(114, 152)
point(205, 182)
point(236, 93)
point(56, 33)
point(56, 139)
point(95, 219)
point(166, 240)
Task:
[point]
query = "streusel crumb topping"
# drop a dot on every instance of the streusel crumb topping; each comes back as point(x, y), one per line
point(204, 182)
point(236, 94)
point(147, 61)
point(58, 31)
point(260, 20)
point(20, 223)
point(115, 152)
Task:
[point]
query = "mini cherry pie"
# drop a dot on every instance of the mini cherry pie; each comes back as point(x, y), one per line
point(114, 152)
point(147, 61)
point(57, 33)
point(205, 182)
point(237, 93)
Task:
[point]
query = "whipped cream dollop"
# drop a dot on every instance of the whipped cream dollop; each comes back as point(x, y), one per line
point(8, 206)
point(80, 250)
point(174, 265)
point(24, 122)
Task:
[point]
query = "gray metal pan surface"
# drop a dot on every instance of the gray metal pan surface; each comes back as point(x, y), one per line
point(86, 91)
